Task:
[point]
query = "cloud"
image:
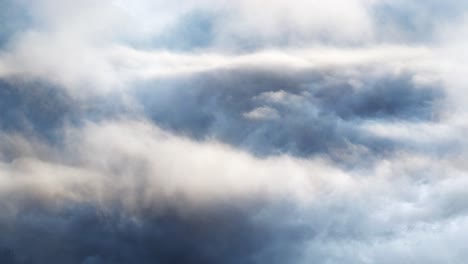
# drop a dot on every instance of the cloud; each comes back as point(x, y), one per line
point(262, 112)
point(33, 108)
point(298, 111)
point(152, 196)
point(106, 69)
point(162, 204)
point(232, 131)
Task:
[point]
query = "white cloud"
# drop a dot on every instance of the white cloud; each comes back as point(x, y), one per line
point(84, 68)
point(263, 112)
point(114, 159)
point(87, 46)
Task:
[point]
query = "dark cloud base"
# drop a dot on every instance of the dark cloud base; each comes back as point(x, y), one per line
point(324, 116)
point(83, 234)
point(319, 114)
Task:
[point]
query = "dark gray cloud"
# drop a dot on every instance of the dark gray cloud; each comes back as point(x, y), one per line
point(38, 108)
point(315, 111)
point(227, 233)
point(33, 107)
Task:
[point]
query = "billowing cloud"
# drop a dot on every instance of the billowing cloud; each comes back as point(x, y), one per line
point(233, 131)
point(153, 196)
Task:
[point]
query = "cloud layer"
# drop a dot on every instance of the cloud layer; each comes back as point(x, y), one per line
point(233, 132)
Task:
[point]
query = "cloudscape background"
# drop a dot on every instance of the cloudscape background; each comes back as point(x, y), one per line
point(221, 131)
